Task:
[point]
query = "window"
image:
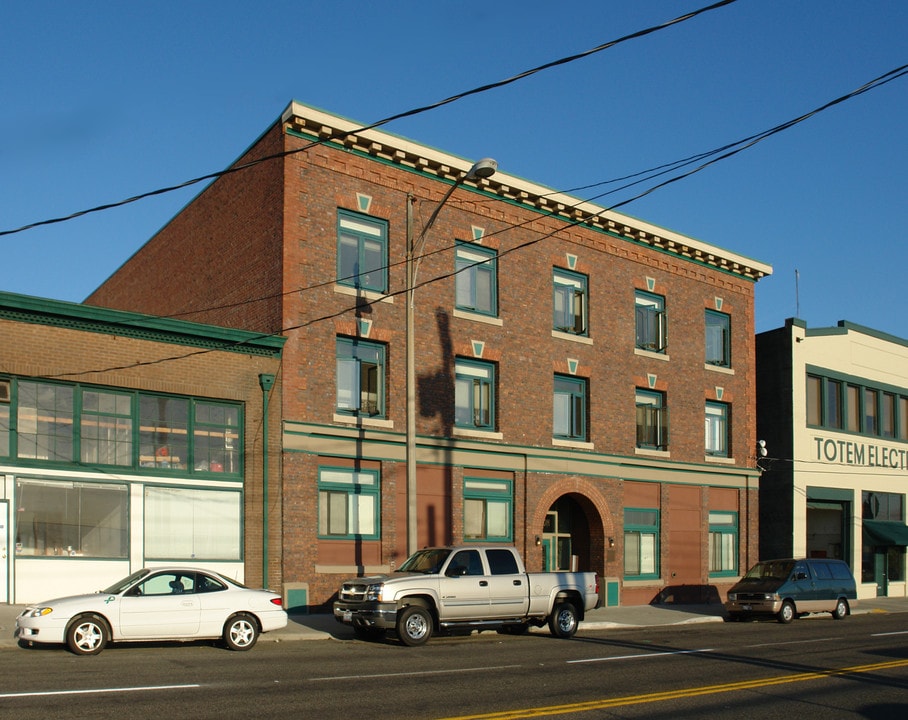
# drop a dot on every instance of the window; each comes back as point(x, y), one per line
point(163, 432)
point(833, 408)
point(106, 428)
point(45, 421)
point(216, 437)
point(883, 506)
point(902, 419)
point(650, 320)
point(887, 415)
point(186, 524)
point(362, 250)
point(348, 504)
point(4, 417)
point(476, 273)
point(871, 412)
point(502, 562)
point(174, 433)
point(852, 408)
point(360, 378)
point(570, 302)
point(71, 519)
point(569, 412)
point(718, 339)
point(652, 420)
point(717, 429)
point(487, 511)
point(723, 543)
point(474, 394)
point(641, 543)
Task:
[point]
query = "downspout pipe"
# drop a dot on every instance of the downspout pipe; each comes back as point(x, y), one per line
point(266, 382)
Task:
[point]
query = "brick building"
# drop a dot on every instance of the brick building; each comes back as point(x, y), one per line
point(551, 339)
point(129, 441)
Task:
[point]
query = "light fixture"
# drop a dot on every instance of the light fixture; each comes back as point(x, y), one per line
point(538, 540)
point(611, 542)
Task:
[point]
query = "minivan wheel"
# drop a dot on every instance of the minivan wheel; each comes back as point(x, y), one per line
point(841, 609)
point(787, 613)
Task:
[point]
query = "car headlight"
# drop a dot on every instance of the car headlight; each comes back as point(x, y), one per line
point(40, 612)
point(373, 592)
point(732, 597)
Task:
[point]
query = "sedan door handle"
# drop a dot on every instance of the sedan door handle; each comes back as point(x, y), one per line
point(518, 582)
point(483, 583)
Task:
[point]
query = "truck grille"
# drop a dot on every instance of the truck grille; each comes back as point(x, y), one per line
point(353, 592)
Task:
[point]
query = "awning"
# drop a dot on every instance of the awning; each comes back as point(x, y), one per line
point(884, 532)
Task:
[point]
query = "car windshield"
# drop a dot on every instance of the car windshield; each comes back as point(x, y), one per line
point(774, 570)
point(425, 561)
point(126, 582)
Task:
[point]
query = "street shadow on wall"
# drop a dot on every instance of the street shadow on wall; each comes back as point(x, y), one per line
point(435, 399)
point(687, 595)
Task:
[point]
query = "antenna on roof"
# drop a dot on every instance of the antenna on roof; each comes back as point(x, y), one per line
point(797, 294)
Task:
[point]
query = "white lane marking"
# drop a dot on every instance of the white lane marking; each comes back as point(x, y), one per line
point(898, 632)
point(411, 674)
point(96, 691)
point(637, 657)
point(791, 642)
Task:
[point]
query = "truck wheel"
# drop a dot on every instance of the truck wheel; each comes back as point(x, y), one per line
point(841, 609)
point(414, 625)
point(563, 621)
point(787, 613)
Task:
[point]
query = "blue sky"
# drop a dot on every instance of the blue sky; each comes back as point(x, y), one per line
point(103, 100)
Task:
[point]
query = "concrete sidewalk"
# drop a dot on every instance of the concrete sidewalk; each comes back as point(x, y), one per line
point(324, 627)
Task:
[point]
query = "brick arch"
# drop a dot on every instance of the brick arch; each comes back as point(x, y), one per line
point(593, 504)
point(589, 498)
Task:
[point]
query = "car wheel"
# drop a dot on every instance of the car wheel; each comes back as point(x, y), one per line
point(841, 609)
point(414, 625)
point(241, 632)
point(787, 613)
point(563, 621)
point(87, 635)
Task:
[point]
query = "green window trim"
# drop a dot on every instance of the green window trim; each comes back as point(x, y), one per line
point(854, 406)
point(718, 339)
point(476, 279)
point(349, 504)
point(474, 394)
point(569, 408)
point(488, 508)
point(717, 424)
point(570, 302)
point(360, 378)
point(652, 420)
point(362, 251)
point(641, 543)
point(62, 424)
point(723, 544)
point(649, 322)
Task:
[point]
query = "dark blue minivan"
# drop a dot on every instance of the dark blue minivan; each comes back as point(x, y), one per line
point(791, 587)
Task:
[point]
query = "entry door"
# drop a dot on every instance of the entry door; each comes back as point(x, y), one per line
point(881, 572)
point(4, 551)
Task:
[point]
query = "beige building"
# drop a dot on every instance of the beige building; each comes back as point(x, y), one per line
point(833, 410)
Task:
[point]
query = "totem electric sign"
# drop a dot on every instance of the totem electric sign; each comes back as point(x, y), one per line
point(848, 452)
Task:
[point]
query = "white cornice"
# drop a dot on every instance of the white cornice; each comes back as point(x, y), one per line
point(422, 158)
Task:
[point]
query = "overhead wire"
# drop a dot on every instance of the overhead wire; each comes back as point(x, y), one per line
point(336, 135)
point(715, 155)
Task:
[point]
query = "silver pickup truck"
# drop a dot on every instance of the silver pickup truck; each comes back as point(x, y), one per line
point(472, 587)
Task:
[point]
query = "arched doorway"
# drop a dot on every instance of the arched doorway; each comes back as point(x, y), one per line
point(566, 536)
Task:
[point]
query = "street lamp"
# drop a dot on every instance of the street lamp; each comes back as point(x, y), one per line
point(481, 169)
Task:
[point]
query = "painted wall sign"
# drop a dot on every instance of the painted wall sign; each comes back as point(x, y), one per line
point(848, 452)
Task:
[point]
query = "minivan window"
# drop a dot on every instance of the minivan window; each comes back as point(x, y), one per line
point(840, 571)
point(821, 570)
point(776, 570)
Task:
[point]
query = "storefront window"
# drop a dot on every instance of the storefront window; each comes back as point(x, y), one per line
point(71, 519)
point(185, 524)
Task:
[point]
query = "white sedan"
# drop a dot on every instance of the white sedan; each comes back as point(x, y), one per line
point(155, 604)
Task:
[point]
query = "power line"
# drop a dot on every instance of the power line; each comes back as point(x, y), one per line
point(340, 135)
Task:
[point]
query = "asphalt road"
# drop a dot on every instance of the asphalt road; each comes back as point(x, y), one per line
point(813, 668)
